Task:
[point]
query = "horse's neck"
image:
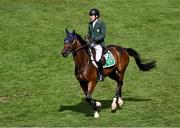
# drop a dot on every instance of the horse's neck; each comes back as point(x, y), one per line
point(81, 57)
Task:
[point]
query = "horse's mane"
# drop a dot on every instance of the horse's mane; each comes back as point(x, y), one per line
point(83, 42)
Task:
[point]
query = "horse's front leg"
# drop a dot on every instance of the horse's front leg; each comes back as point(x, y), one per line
point(94, 104)
point(84, 86)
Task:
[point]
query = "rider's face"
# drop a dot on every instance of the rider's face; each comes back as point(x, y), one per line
point(92, 18)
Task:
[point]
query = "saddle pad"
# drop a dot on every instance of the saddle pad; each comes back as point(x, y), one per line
point(110, 61)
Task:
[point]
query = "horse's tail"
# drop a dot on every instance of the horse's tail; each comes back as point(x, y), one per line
point(143, 66)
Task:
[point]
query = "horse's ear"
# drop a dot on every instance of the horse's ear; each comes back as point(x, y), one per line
point(67, 32)
point(74, 33)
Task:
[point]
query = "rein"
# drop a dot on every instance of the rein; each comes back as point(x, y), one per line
point(78, 49)
point(78, 70)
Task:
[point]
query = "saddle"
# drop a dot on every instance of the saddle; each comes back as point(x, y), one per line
point(107, 58)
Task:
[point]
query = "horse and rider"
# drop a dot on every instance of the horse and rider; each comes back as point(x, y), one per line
point(87, 73)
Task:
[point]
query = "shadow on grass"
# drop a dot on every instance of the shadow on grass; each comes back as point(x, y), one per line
point(135, 99)
point(84, 107)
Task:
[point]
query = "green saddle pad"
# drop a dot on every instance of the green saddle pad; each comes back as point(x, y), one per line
point(110, 61)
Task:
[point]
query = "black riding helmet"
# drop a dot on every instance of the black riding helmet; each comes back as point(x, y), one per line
point(95, 12)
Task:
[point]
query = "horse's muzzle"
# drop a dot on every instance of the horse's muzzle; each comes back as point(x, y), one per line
point(65, 53)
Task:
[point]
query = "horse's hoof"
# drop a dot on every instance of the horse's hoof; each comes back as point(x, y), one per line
point(114, 104)
point(120, 102)
point(96, 114)
point(98, 104)
point(113, 111)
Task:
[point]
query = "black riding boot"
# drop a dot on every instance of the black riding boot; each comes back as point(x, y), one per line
point(100, 71)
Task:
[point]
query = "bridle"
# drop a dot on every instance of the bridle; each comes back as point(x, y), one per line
point(78, 49)
point(80, 70)
point(72, 49)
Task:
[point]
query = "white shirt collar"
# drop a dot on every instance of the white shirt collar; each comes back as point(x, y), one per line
point(95, 22)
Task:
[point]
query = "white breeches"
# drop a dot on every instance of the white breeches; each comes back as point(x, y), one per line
point(98, 49)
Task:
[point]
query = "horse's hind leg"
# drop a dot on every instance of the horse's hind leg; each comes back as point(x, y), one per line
point(117, 99)
point(119, 91)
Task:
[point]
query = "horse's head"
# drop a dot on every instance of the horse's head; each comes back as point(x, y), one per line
point(68, 43)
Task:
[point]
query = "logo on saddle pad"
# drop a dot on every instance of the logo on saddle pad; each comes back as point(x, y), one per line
point(108, 59)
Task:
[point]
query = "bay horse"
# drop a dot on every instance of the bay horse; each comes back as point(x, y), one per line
point(86, 72)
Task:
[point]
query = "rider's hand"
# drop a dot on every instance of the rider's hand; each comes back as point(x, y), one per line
point(86, 36)
point(92, 40)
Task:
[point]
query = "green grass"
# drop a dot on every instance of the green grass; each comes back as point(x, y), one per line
point(38, 87)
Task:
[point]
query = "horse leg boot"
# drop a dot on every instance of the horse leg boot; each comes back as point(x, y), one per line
point(100, 71)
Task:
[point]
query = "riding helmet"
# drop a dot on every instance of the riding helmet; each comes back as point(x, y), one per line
point(95, 12)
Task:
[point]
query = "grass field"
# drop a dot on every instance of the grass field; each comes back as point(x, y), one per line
point(38, 87)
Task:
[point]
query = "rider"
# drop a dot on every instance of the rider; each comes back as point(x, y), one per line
point(97, 30)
